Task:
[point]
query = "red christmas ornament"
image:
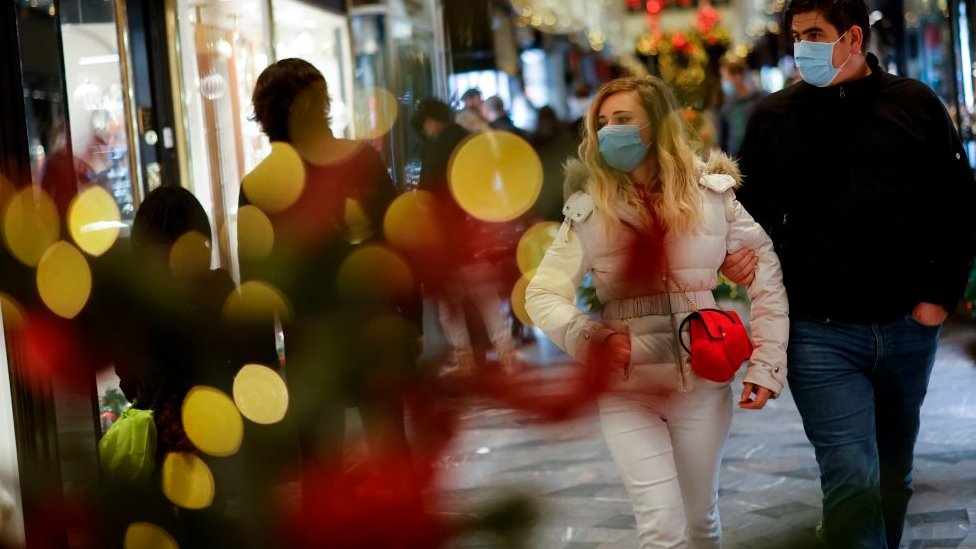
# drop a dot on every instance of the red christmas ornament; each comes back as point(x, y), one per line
point(654, 7)
point(708, 18)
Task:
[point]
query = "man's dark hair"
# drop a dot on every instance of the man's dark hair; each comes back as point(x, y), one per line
point(275, 91)
point(842, 14)
point(472, 92)
point(432, 109)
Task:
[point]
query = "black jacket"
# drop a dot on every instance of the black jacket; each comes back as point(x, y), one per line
point(866, 192)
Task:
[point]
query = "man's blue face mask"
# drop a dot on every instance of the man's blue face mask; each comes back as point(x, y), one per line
point(621, 146)
point(816, 61)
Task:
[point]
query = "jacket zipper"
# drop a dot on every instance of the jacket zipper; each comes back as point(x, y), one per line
point(842, 93)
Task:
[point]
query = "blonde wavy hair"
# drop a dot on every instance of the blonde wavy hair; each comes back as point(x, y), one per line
point(680, 206)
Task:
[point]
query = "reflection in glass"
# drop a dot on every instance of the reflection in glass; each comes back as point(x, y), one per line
point(96, 109)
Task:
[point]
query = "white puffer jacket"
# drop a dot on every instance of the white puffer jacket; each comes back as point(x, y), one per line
point(641, 308)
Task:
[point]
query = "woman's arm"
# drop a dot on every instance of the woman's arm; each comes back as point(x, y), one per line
point(550, 297)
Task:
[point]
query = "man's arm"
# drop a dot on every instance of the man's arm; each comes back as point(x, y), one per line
point(953, 237)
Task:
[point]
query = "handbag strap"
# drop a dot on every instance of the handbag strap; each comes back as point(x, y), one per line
point(681, 288)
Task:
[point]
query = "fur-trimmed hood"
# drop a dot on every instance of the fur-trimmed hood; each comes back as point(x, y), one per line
point(718, 163)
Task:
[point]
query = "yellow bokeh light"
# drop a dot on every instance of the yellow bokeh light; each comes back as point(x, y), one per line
point(358, 226)
point(260, 394)
point(309, 131)
point(94, 220)
point(255, 301)
point(276, 183)
point(212, 422)
point(533, 245)
point(187, 481)
point(410, 223)
point(495, 176)
point(376, 111)
point(255, 235)
point(374, 272)
point(64, 279)
point(518, 299)
point(190, 255)
point(30, 225)
point(145, 535)
point(13, 313)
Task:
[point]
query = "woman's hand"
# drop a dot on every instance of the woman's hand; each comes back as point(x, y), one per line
point(740, 266)
point(748, 402)
point(616, 351)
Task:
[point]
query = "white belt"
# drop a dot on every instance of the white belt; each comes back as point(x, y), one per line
point(657, 304)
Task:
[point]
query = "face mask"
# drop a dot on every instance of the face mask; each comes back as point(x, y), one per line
point(816, 61)
point(621, 146)
point(728, 88)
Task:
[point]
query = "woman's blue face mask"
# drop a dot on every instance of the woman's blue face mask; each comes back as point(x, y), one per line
point(621, 146)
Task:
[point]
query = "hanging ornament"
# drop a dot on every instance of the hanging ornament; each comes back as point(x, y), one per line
point(213, 86)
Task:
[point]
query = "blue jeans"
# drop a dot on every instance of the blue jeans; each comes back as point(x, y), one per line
point(859, 389)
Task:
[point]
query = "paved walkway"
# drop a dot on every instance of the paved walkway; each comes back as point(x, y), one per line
point(770, 493)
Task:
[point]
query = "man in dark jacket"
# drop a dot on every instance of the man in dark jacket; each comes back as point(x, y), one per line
point(863, 185)
point(498, 118)
point(461, 273)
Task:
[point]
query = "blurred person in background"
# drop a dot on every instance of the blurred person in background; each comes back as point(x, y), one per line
point(740, 97)
point(471, 99)
point(652, 223)
point(865, 188)
point(332, 359)
point(465, 274)
point(554, 143)
point(472, 120)
point(498, 118)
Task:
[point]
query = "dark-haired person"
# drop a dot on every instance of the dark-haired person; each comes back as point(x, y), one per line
point(498, 118)
point(741, 97)
point(176, 325)
point(861, 181)
point(462, 273)
point(331, 362)
point(471, 99)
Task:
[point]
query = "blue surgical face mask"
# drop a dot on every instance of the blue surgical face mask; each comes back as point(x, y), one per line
point(728, 88)
point(816, 61)
point(621, 146)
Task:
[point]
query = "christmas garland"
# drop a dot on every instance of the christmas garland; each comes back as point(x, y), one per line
point(682, 57)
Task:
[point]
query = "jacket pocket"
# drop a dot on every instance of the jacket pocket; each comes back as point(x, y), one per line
point(653, 366)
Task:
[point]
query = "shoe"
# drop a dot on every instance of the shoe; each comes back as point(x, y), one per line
point(461, 365)
point(509, 362)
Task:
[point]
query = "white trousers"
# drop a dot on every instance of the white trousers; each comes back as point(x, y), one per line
point(477, 282)
point(668, 448)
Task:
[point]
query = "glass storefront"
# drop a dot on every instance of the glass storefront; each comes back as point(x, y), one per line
point(394, 46)
point(99, 132)
point(224, 46)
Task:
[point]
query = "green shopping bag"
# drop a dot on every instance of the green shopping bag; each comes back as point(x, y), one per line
point(127, 452)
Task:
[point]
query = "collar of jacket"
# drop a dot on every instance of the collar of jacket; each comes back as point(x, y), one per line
point(851, 90)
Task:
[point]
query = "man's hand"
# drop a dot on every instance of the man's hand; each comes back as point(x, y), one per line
point(929, 314)
point(748, 402)
point(740, 266)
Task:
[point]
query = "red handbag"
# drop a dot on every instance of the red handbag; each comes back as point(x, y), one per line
point(719, 341)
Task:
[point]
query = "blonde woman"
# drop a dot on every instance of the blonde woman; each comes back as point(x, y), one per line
point(665, 426)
